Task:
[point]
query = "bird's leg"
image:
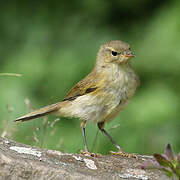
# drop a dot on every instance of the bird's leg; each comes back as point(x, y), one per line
point(120, 151)
point(86, 151)
point(101, 128)
point(83, 126)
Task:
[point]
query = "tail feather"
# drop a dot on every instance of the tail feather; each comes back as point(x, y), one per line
point(40, 112)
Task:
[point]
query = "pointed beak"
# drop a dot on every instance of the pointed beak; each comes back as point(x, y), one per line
point(129, 54)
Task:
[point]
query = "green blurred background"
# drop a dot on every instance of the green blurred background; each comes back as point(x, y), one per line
point(54, 44)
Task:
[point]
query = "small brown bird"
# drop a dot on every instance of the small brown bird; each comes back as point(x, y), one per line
point(101, 95)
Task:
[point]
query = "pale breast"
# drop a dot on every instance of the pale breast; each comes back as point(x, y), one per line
point(124, 86)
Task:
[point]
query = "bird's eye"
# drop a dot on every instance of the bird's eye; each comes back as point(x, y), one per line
point(114, 53)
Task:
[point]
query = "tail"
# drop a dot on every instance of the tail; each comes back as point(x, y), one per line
point(40, 112)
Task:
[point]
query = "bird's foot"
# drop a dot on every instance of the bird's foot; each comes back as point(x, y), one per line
point(124, 154)
point(87, 153)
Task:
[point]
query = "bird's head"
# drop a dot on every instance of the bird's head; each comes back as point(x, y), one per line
point(116, 52)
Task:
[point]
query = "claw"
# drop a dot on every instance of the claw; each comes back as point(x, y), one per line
point(124, 154)
point(87, 153)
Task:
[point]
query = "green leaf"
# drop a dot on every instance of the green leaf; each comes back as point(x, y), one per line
point(162, 160)
point(167, 172)
point(177, 170)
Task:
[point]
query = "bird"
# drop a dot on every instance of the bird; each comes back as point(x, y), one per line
point(101, 95)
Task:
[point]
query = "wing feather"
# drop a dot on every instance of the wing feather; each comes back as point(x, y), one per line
point(88, 85)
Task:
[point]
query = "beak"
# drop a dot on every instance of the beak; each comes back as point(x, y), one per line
point(129, 54)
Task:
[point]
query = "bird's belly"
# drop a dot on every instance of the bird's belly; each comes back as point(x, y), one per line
point(115, 112)
point(93, 108)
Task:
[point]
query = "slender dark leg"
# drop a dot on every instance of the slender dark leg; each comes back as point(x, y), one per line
point(86, 151)
point(101, 127)
point(120, 152)
point(83, 126)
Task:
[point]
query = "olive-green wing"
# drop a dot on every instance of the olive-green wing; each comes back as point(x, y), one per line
point(87, 85)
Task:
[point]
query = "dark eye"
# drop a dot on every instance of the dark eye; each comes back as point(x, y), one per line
point(114, 53)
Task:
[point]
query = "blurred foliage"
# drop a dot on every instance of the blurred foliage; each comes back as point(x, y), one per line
point(168, 163)
point(54, 44)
